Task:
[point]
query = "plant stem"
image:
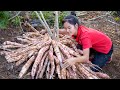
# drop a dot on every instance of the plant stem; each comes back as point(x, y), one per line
point(53, 37)
point(57, 24)
point(48, 29)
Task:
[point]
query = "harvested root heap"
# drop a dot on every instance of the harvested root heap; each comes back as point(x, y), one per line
point(43, 56)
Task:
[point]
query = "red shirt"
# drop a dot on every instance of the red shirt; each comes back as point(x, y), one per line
point(91, 38)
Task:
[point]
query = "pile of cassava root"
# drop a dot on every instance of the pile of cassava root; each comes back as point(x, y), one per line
point(43, 56)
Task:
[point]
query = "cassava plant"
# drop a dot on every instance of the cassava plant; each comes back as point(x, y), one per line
point(44, 54)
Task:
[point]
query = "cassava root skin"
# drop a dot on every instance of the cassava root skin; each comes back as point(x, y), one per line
point(38, 59)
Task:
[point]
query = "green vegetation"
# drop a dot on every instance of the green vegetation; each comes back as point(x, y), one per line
point(4, 16)
point(116, 16)
point(4, 19)
point(49, 16)
point(16, 20)
point(61, 17)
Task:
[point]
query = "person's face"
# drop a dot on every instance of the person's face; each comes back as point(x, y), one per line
point(71, 29)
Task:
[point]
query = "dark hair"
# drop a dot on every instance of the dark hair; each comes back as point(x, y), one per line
point(73, 13)
point(72, 19)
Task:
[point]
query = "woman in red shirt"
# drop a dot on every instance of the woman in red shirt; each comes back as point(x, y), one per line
point(90, 40)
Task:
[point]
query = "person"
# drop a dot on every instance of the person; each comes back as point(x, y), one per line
point(89, 41)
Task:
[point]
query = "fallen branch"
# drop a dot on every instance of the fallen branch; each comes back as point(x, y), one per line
point(99, 16)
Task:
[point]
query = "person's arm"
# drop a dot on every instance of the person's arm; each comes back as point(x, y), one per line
point(86, 45)
point(61, 31)
point(84, 58)
point(80, 59)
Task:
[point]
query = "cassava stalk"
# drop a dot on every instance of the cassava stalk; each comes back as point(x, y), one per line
point(56, 25)
point(43, 23)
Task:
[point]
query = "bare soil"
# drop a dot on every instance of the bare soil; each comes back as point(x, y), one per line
point(8, 71)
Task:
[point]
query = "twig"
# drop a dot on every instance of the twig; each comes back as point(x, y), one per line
point(99, 16)
point(103, 16)
point(83, 13)
point(113, 22)
point(15, 15)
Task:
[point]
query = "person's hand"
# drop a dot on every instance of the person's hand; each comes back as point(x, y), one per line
point(102, 75)
point(80, 51)
point(69, 62)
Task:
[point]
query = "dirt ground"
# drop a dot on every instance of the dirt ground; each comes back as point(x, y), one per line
point(7, 71)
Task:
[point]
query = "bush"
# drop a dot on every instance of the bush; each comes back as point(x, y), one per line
point(4, 16)
point(4, 19)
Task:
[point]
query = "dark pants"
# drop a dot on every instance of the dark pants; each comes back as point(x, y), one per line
point(99, 59)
